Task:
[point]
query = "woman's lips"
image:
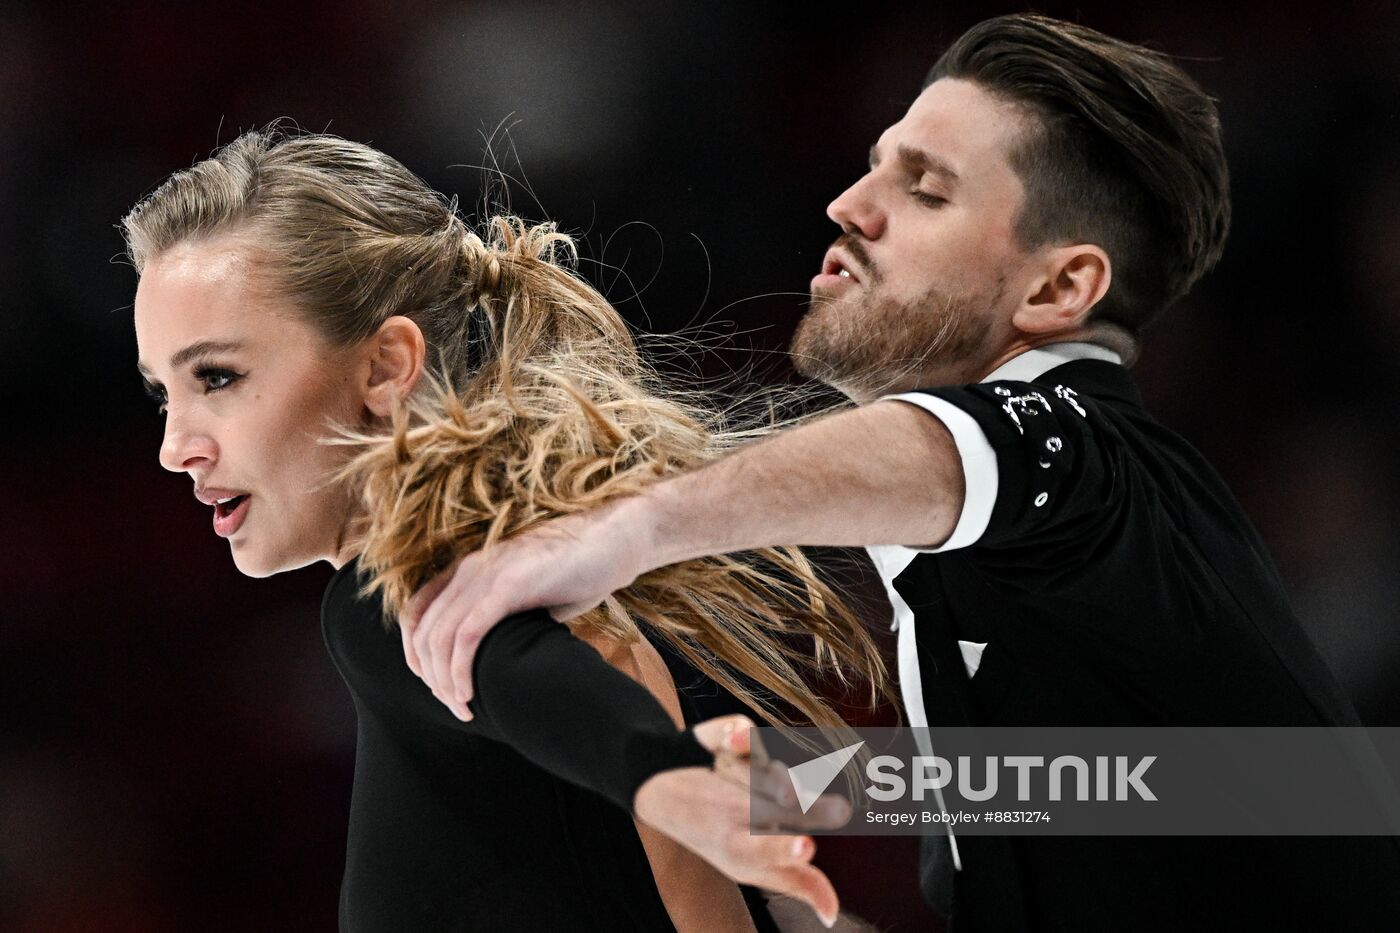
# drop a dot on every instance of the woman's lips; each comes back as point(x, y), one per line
point(228, 520)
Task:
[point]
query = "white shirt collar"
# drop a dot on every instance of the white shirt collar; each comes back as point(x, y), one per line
point(1035, 363)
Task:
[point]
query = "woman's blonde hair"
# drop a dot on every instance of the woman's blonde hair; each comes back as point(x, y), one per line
point(536, 405)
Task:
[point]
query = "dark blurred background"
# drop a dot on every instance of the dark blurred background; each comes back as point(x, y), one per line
point(175, 747)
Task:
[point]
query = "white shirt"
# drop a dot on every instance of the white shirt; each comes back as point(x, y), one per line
point(980, 482)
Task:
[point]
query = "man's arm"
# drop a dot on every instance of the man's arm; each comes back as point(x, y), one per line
point(886, 473)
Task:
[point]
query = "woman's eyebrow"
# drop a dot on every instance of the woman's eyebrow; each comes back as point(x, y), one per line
point(197, 349)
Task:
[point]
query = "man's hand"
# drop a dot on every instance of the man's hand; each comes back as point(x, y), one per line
point(708, 812)
point(568, 566)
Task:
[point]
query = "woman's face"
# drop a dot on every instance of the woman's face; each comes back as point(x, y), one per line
point(247, 390)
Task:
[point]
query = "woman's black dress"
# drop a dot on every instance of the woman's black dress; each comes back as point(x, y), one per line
point(453, 829)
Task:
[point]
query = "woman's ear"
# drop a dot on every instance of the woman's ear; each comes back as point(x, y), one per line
point(396, 353)
point(1075, 279)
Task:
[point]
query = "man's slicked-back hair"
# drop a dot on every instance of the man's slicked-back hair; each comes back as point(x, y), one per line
point(1123, 152)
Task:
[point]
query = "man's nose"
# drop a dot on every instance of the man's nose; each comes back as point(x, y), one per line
point(857, 211)
point(184, 446)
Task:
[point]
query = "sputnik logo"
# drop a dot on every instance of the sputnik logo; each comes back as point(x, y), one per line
point(811, 778)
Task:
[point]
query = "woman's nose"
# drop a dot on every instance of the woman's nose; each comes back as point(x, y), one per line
point(184, 446)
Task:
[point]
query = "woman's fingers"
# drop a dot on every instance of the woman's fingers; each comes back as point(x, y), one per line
point(830, 811)
point(773, 804)
point(741, 757)
point(725, 734)
point(710, 815)
point(771, 781)
point(783, 864)
point(810, 885)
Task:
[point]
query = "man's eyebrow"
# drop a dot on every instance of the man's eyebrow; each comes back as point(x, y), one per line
point(927, 161)
point(919, 159)
point(194, 351)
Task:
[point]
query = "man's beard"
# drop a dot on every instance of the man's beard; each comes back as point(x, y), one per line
point(872, 345)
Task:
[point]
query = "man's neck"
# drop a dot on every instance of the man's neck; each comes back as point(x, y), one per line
point(1108, 336)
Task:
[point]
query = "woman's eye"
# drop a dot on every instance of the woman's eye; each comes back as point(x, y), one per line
point(216, 379)
point(157, 395)
point(213, 379)
point(932, 200)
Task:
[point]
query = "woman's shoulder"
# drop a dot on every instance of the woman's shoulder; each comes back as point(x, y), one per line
point(639, 660)
point(344, 594)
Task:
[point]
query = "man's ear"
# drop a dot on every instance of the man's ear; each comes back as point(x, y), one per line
point(396, 353)
point(1072, 281)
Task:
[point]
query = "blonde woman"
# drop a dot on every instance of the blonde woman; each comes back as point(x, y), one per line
point(349, 373)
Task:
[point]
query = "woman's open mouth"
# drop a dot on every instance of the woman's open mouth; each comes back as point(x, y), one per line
point(229, 514)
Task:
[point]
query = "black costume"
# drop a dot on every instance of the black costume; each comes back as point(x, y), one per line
point(453, 829)
point(1102, 574)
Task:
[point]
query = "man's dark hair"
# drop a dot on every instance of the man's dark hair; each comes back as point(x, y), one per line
point(1125, 153)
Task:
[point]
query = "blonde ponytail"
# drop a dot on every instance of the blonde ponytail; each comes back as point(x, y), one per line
point(565, 416)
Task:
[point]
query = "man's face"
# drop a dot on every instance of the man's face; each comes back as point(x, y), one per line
point(243, 416)
point(919, 288)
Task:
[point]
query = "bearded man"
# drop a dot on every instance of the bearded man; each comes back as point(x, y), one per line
point(1053, 555)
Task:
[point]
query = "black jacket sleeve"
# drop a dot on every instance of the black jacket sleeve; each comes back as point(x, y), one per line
point(555, 700)
point(1060, 468)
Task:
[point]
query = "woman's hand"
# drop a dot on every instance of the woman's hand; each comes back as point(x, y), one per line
point(568, 566)
point(708, 812)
